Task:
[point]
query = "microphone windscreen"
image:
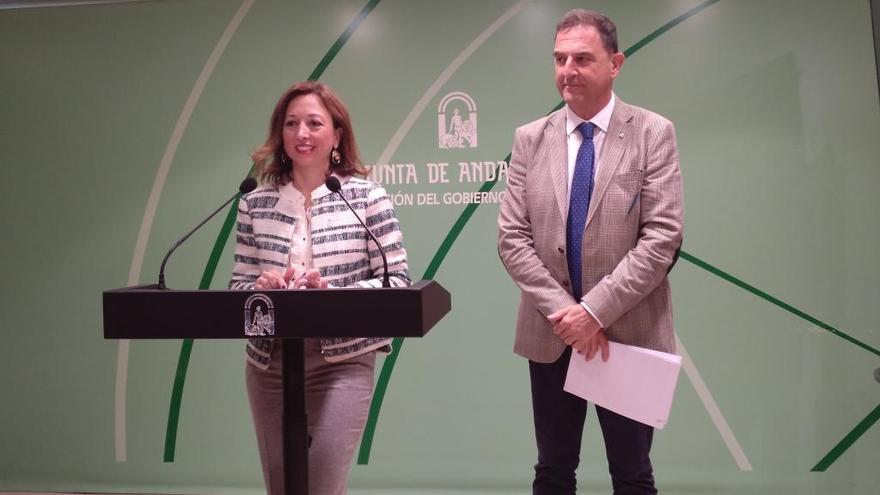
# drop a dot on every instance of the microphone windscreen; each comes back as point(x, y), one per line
point(333, 184)
point(247, 185)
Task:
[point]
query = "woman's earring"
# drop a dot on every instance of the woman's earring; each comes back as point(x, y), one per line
point(284, 158)
point(335, 158)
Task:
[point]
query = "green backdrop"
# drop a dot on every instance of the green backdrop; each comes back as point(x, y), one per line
point(123, 124)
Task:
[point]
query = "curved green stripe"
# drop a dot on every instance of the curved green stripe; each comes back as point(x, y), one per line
point(848, 440)
point(669, 25)
point(186, 346)
point(176, 397)
point(343, 38)
point(216, 252)
point(452, 236)
point(865, 424)
point(456, 229)
point(378, 398)
point(776, 302)
point(391, 359)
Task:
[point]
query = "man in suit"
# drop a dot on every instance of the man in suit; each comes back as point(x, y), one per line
point(590, 224)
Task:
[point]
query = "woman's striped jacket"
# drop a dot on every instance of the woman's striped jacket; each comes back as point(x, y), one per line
point(341, 250)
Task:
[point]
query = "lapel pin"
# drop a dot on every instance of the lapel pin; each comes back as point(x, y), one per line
point(621, 134)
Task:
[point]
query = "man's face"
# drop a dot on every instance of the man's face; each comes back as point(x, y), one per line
point(584, 69)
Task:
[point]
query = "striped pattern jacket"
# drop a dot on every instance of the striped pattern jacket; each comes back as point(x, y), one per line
point(340, 250)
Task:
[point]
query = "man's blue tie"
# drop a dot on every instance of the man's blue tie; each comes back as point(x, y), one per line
point(578, 205)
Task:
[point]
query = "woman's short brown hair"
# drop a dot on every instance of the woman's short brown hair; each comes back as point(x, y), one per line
point(274, 166)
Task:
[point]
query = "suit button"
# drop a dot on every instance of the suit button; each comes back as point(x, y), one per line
point(565, 283)
point(561, 250)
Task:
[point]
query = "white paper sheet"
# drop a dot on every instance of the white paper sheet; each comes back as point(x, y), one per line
point(635, 382)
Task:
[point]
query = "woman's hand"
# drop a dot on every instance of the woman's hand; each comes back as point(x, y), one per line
point(310, 280)
point(273, 280)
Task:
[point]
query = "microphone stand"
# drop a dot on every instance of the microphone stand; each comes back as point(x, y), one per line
point(333, 185)
point(246, 186)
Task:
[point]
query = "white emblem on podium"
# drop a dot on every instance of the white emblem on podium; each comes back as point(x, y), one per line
point(459, 132)
point(259, 316)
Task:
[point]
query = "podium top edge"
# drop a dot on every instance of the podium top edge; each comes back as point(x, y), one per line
point(416, 286)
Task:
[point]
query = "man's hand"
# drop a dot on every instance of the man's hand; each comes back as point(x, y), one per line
point(574, 325)
point(599, 342)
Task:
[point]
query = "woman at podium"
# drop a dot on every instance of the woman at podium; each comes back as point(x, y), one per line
point(294, 233)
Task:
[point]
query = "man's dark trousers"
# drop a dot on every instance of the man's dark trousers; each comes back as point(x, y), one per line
point(559, 425)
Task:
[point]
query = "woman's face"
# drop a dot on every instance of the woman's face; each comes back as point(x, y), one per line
point(308, 133)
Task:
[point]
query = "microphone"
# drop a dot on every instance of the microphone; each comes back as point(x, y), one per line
point(333, 184)
point(246, 186)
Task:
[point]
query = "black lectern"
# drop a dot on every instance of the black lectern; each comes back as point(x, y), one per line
point(146, 312)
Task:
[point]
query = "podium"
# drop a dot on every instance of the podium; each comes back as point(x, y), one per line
point(147, 312)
